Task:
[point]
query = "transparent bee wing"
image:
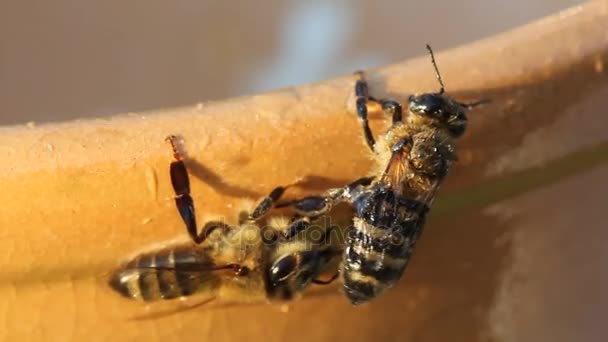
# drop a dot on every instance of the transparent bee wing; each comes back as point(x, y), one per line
point(396, 170)
point(165, 309)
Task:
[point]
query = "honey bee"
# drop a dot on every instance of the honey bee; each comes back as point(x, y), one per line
point(241, 262)
point(412, 159)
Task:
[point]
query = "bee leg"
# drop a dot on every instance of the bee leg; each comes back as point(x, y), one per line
point(311, 206)
point(301, 223)
point(393, 109)
point(362, 93)
point(314, 206)
point(181, 186)
point(363, 181)
point(209, 228)
point(266, 204)
point(183, 201)
point(328, 281)
point(297, 225)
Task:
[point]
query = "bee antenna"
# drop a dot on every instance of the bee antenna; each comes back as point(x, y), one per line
point(428, 47)
point(474, 104)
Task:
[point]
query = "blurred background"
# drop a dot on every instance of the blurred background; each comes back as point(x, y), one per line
point(67, 59)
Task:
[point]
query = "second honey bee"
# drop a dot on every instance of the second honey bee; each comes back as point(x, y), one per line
point(239, 262)
point(412, 159)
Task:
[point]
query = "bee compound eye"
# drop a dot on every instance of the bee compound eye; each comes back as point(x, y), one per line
point(283, 268)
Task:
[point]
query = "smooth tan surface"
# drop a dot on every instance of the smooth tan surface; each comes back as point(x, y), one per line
point(514, 250)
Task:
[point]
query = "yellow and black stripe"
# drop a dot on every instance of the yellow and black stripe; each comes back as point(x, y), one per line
point(166, 274)
point(380, 243)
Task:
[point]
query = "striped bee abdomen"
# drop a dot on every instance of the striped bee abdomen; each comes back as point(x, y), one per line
point(165, 274)
point(380, 243)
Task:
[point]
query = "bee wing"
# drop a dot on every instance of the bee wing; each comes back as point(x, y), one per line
point(427, 196)
point(192, 267)
point(168, 275)
point(396, 170)
point(159, 310)
point(188, 286)
point(418, 200)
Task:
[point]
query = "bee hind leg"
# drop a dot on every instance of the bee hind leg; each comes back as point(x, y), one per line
point(181, 186)
point(183, 201)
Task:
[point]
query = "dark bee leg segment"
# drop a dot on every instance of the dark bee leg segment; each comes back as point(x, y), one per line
point(208, 228)
point(392, 109)
point(183, 201)
point(367, 132)
point(308, 206)
point(179, 178)
point(314, 206)
point(299, 224)
point(362, 94)
point(401, 144)
point(326, 282)
point(363, 181)
point(185, 206)
point(267, 203)
point(348, 192)
point(181, 186)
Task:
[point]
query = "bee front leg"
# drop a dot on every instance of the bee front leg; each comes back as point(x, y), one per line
point(393, 109)
point(362, 93)
point(389, 107)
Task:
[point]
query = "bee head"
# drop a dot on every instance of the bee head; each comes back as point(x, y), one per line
point(291, 273)
point(440, 109)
